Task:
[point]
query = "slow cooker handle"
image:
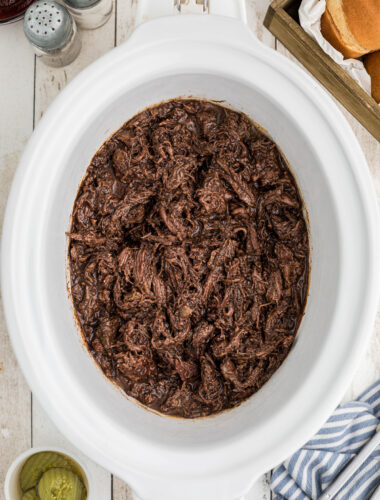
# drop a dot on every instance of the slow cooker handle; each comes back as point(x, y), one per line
point(151, 9)
point(230, 486)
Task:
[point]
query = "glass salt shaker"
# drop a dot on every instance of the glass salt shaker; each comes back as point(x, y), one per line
point(90, 14)
point(52, 31)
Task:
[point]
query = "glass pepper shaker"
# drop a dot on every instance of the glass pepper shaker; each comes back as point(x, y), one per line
point(52, 32)
point(90, 14)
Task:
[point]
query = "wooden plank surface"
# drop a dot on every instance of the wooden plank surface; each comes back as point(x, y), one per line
point(26, 90)
point(16, 123)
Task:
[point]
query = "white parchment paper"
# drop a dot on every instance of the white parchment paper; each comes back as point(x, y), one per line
point(310, 13)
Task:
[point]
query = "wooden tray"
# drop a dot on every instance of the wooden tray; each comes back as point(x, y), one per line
point(282, 21)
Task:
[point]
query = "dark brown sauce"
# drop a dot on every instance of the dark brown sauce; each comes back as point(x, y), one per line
point(189, 258)
point(13, 8)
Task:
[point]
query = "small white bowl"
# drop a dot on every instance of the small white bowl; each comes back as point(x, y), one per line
point(12, 487)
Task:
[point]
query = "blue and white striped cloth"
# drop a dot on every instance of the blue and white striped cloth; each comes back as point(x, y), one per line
point(311, 469)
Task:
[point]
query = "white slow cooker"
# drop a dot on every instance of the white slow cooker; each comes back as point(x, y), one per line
point(219, 457)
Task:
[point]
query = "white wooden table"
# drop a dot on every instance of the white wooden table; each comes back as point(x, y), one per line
point(27, 87)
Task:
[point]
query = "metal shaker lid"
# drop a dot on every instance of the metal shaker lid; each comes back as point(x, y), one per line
point(48, 25)
point(81, 4)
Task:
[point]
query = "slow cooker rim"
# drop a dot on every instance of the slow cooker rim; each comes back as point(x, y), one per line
point(353, 147)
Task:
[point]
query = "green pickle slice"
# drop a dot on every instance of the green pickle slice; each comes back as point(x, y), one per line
point(30, 495)
point(37, 464)
point(60, 484)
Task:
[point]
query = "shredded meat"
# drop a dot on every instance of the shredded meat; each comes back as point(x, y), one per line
point(189, 258)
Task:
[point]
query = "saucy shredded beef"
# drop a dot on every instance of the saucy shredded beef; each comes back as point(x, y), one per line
point(189, 258)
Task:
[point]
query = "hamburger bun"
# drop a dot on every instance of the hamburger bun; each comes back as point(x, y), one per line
point(352, 26)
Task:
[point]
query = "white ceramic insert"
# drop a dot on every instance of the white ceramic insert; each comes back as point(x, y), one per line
point(215, 458)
